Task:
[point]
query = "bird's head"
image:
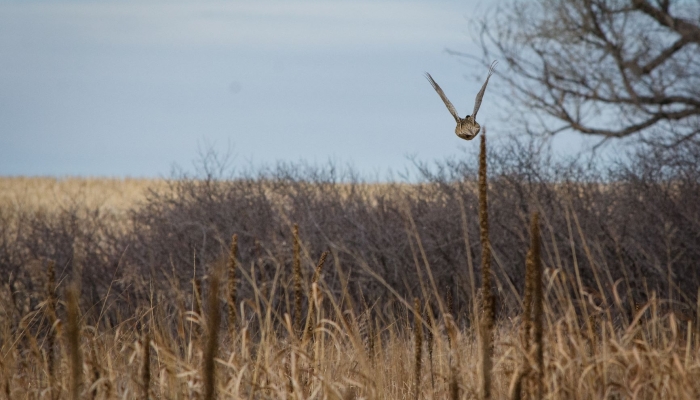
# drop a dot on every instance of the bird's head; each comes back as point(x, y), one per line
point(467, 128)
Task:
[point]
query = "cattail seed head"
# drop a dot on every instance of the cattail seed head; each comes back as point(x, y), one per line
point(487, 315)
point(213, 323)
point(418, 333)
point(538, 300)
point(232, 283)
point(73, 332)
point(297, 281)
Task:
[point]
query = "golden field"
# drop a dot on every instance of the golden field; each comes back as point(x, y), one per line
point(51, 194)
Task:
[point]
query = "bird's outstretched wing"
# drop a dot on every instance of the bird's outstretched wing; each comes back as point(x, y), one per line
point(439, 91)
point(480, 95)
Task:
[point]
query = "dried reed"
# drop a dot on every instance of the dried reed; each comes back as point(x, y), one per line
point(429, 342)
point(526, 326)
point(232, 283)
point(213, 323)
point(450, 311)
point(73, 333)
point(146, 364)
point(197, 306)
point(319, 267)
point(297, 281)
point(538, 306)
point(487, 317)
point(309, 327)
point(528, 384)
point(6, 381)
point(51, 317)
point(96, 370)
point(518, 390)
point(418, 333)
point(371, 341)
point(453, 358)
point(454, 385)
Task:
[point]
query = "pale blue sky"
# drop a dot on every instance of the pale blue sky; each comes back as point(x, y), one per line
point(130, 88)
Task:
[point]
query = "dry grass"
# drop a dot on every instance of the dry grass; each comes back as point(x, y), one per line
point(50, 194)
point(232, 283)
point(567, 343)
point(652, 356)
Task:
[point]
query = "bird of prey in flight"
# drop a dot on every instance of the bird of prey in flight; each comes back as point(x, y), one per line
point(467, 128)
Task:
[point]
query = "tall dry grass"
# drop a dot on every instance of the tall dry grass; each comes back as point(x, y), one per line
point(653, 355)
point(73, 333)
point(487, 301)
point(233, 283)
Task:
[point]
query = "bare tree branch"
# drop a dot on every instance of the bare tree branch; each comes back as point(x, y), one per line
point(609, 68)
point(686, 29)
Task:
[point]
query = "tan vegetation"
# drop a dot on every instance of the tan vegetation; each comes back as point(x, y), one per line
point(48, 194)
point(652, 356)
point(153, 335)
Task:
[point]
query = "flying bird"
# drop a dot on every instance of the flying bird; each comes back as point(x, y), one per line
point(467, 128)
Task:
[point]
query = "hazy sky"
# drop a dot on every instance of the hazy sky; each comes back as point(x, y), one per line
point(130, 88)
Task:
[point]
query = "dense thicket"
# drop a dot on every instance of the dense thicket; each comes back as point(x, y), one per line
point(634, 223)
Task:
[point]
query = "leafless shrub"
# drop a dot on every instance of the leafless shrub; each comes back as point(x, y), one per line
point(635, 221)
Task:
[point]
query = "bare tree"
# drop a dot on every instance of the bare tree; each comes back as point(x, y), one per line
point(608, 68)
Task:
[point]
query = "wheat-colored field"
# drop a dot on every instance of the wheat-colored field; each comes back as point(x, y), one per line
point(51, 194)
point(110, 195)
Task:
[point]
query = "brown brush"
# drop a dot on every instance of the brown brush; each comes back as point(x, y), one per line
point(450, 311)
point(73, 333)
point(197, 303)
point(697, 320)
point(487, 317)
point(309, 327)
point(232, 283)
point(213, 323)
point(418, 333)
point(429, 342)
point(454, 385)
point(146, 365)
point(96, 370)
point(526, 329)
point(538, 304)
point(449, 300)
point(29, 341)
point(51, 337)
point(297, 282)
point(371, 342)
point(453, 359)
point(6, 383)
point(5, 380)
